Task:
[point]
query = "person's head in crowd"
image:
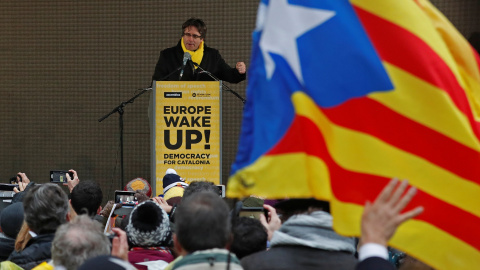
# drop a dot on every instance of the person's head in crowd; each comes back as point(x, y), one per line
point(199, 186)
point(15, 179)
point(290, 207)
point(173, 187)
point(194, 31)
point(46, 208)
point(77, 241)
point(202, 222)
point(249, 236)
point(149, 226)
point(86, 198)
point(106, 262)
point(139, 185)
point(11, 219)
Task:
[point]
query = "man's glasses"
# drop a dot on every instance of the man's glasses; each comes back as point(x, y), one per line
point(191, 36)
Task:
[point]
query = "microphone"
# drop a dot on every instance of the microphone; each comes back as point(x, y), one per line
point(192, 66)
point(186, 56)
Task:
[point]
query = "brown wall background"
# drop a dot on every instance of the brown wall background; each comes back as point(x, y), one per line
point(65, 64)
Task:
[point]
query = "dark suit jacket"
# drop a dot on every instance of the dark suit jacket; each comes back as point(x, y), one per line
point(7, 245)
point(38, 250)
point(299, 257)
point(170, 59)
point(375, 263)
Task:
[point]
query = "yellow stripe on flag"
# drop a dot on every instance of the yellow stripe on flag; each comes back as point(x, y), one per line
point(473, 93)
point(437, 251)
point(295, 175)
point(408, 15)
point(410, 97)
point(381, 159)
point(461, 51)
point(457, 45)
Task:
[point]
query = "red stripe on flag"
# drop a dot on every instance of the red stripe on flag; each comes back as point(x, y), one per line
point(403, 49)
point(352, 187)
point(380, 121)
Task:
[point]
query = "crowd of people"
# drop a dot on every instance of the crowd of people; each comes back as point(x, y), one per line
point(194, 228)
point(190, 226)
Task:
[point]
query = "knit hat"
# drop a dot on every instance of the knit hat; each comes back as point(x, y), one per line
point(106, 262)
point(149, 226)
point(173, 185)
point(139, 184)
point(11, 219)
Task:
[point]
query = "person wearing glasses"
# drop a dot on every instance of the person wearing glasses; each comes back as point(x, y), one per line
point(194, 32)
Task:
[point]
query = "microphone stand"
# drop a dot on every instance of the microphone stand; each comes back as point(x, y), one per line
point(120, 111)
point(217, 79)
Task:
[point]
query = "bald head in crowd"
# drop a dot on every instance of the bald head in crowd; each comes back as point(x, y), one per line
point(77, 241)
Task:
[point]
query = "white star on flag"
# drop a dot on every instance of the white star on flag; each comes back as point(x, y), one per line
point(283, 24)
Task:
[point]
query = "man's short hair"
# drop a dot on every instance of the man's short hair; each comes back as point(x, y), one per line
point(291, 207)
point(249, 236)
point(199, 186)
point(86, 197)
point(45, 207)
point(77, 241)
point(198, 23)
point(202, 222)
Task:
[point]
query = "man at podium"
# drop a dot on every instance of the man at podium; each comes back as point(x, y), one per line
point(194, 32)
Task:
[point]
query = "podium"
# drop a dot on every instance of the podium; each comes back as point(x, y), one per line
point(186, 131)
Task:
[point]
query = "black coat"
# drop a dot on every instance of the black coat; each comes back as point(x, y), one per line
point(299, 257)
point(36, 252)
point(375, 263)
point(7, 245)
point(170, 59)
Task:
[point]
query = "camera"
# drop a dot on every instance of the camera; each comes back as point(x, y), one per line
point(14, 180)
point(110, 236)
point(126, 198)
point(60, 176)
point(221, 190)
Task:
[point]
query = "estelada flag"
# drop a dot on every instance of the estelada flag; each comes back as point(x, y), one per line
point(343, 96)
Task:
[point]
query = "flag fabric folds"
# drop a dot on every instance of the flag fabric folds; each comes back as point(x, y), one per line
point(345, 95)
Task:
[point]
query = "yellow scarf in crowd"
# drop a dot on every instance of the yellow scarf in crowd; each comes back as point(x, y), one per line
point(196, 55)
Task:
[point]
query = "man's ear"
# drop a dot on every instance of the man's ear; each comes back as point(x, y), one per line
point(229, 242)
point(178, 247)
point(99, 210)
point(71, 214)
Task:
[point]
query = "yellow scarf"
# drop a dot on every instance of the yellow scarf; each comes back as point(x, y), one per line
point(197, 55)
